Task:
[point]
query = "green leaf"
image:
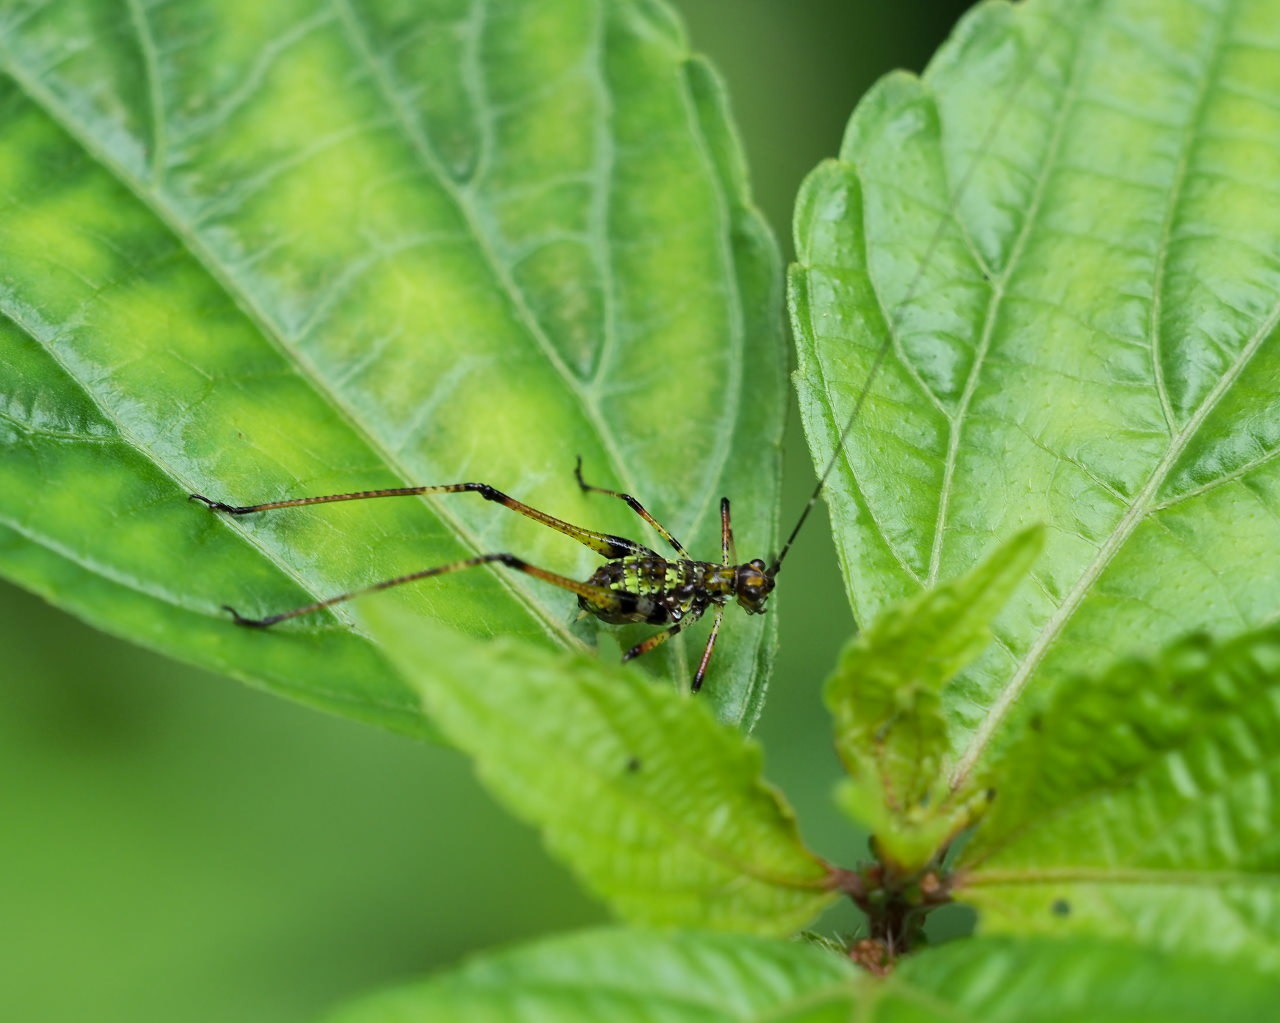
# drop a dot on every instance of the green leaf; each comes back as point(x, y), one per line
point(886, 698)
point(1076, 981)
point(659, 808)
point(598, 976)
point(603, 976)
point(262, 251)
point(1068, 237)
point(1145, 804)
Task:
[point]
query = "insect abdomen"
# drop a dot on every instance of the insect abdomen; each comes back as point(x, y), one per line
point(650, 590)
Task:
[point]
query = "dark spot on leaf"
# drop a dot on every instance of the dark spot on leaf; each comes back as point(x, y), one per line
point(1037, 723)
point(633, 765)
point(1061, 907)
point(991, 795)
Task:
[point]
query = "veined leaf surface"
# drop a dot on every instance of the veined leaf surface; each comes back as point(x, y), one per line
point(623, 976)
point(1067, 233)
point(661, 810)
point(607, 975)
point(267, 250)
point(1029, 980)
point(1143, 805)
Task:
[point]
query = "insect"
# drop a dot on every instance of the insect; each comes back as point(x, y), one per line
point(635, 584)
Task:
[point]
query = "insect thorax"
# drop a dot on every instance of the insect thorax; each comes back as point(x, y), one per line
point(654, 590)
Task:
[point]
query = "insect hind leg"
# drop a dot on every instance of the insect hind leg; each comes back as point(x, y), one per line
point(605, 544)
point(599, 594)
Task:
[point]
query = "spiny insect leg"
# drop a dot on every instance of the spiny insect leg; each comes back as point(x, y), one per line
point(598, 594)
point(706, 650)
point(605, 544)
point(635, 506)
point(658, 638)
point(728, 549)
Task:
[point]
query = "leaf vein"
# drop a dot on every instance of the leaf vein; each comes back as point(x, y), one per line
point(999, 286)
point(157, 204)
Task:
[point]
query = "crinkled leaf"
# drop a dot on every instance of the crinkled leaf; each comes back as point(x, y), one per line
point(886, 698)
point(264, 250)
point(602, 976)
point(659, 808)
point(625, 976)
point(1068, 236)
point(1145, 804)
point(1075, 981)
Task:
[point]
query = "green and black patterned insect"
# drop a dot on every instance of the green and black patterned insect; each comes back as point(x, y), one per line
point(635, 584)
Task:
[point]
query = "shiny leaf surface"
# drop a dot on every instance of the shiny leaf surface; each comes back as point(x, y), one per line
point(1067, 236)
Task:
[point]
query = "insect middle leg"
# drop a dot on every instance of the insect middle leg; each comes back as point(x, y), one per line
point(635, 506)
point(658, 638)
point(605, 544)
point(599, 594)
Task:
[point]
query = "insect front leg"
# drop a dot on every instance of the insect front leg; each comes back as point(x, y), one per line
point(706, 651)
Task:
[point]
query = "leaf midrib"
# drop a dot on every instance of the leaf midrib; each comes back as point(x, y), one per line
point(1130, 521)
point(1126, 876)
point(999, 290)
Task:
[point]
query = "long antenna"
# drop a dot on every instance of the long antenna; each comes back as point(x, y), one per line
point(896, 317)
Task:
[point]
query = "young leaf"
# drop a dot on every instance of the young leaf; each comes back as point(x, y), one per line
point(286, 249)
point(886, 697)
point(606, 975)
point(658, 807)
point(1067, 235)
point(1145, 805)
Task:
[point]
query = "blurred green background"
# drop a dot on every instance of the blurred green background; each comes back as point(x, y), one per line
point(177, 847)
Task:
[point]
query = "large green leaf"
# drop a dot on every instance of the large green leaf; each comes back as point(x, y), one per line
point(626, 976)
point(658, 807)
point(1077, 981)
point(1146, 805)
point(599, 976)
point(1068, 237)
point(262, 250)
